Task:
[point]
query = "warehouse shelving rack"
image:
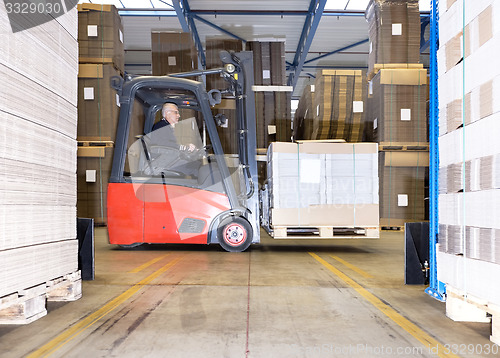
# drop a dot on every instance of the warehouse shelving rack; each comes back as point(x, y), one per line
point(436, 288)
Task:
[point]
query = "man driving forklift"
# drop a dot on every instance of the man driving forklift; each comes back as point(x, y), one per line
point(164, 133)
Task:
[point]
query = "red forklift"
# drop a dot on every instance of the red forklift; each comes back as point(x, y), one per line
point(161, 192)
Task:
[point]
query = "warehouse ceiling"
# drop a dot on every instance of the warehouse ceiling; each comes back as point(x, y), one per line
point(318, 34)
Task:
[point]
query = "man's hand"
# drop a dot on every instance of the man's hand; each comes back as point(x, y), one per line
point(188, 148)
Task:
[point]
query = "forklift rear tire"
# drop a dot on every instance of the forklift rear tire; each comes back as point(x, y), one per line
point(131, 246)
point(235, 234)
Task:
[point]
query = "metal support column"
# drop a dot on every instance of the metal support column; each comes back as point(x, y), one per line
point(436, 288)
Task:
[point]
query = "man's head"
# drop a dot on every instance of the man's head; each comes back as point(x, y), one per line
point(170, 112)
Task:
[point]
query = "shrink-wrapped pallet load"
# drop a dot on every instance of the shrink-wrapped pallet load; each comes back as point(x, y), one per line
point(318, 184)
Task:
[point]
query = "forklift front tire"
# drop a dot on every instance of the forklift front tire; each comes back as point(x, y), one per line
point(235, 234)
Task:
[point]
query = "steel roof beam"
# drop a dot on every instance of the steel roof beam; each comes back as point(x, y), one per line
point(337, 51)
point(180, 15)
point(319, 6)
point(187, 23)
point(303, 35)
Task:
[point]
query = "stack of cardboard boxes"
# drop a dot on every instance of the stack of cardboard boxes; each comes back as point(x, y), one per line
point(398, 94)
point(272, 96)
point(339, 105)
point(337, 108)
point(469, 174)
point(100, 39)
point(273, 112)
point(38, 119)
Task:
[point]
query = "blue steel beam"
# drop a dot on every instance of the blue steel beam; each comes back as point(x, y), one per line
point(337, 51)
point(303, 35)
point(206, 22)
point(157, 12)
point(294, 76)
point(180, 15)
point(192, 27)
point(436, 288)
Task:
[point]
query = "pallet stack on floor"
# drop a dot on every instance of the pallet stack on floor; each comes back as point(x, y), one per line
point(38, 119)
point(468, 258)
point(398, 94)
point(328, 187)
point(100, 39)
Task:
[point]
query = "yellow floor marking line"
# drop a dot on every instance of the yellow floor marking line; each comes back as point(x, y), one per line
point(87, 322)
point(147, 264)
point(352, 267)
point(404, 323)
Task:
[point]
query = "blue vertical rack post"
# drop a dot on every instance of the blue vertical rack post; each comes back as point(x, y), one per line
point(436, 288)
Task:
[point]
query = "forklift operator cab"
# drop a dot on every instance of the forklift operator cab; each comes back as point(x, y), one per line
point(163, 191)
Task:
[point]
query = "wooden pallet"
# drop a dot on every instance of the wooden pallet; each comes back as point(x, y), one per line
point(28, 305)
point(473, 309)
point(407, 146)
point(325, 232)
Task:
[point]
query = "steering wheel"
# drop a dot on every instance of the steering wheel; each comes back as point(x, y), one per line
point(196, 154)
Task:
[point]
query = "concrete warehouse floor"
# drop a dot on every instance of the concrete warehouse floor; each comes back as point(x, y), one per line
point(286, 298)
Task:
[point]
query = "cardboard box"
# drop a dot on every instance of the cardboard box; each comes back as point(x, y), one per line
point(402, 185)
point(269, 62)
point(98, 103)
point(100, 35)
point(273, 117)
point(394, 32)
point(339, 107)
point(399, 106)
point(172, 52)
